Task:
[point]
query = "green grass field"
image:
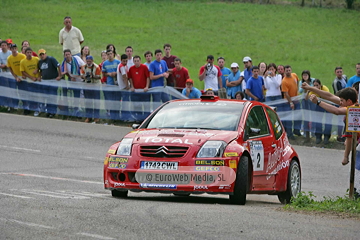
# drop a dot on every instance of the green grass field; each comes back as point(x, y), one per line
point(316, 39)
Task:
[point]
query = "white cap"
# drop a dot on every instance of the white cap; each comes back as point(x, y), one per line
point(246, 59)
point(234, 65)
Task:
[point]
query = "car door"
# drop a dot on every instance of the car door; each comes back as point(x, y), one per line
point(260, 142)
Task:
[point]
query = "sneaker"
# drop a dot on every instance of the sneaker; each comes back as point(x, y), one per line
point(340, 139)
point(318, 140)
point(36, 114)
point(326, 139)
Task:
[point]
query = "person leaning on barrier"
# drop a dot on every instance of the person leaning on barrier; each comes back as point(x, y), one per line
point(91, 74)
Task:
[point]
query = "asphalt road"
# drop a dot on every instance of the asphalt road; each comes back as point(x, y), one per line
point(51, 188)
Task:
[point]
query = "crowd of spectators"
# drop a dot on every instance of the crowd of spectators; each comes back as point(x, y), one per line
point(262, 82)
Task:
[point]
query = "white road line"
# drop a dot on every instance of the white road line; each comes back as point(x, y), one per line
point(18, 148)
point(89, 194)
point(95, 236)
point(12, 195)
point(26, 223)
point(52, 194)
point(53, 178)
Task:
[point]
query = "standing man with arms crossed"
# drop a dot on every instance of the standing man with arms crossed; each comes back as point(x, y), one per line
point(49, 69)
point(170, 62)
point(180, 74)
point(71, 37)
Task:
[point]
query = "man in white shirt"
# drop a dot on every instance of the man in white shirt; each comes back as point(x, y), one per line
point(71, 37)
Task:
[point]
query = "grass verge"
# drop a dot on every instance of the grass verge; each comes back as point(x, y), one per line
point(339, 206)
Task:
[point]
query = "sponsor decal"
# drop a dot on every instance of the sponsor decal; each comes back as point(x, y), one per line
point(119, 184)
point(279, 167)
point(106, 182)
point(112, 151)
point(167, 140)
point(232, 164)
point(207, 168)
point(154, 185)
point(231, 154)
point(201, 188)
point(210, 162)
point(118, 159)
point(225, 186)
point(117, 165)
point(106, 160)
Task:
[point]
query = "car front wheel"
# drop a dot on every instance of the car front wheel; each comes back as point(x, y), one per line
point(241, 182)
point(293, 183)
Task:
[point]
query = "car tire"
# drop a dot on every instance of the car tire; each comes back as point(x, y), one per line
point(119, 194)
point(241, 182)
point(293, 186)
point(182, 194)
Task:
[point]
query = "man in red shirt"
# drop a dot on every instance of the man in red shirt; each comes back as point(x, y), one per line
point(181, 74)
point(139, 78)
point(169, 59)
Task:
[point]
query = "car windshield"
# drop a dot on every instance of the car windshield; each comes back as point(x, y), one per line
point(198, 115)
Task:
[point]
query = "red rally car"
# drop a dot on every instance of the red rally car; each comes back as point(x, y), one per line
point(206, 145)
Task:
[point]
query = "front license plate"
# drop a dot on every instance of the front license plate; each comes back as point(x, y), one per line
point(159, 165)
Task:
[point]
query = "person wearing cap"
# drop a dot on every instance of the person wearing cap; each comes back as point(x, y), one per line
point(4, 54)
point(211, 75)
point(70, 37)
point(234, 81)
point(190, 91)
point(181, 74)
point(91, 74)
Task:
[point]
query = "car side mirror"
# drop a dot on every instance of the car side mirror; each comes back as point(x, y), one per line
point(135, 126)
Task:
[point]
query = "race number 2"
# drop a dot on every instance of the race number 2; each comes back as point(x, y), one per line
point(257, 155)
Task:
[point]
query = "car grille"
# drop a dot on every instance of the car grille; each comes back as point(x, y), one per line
point(163, 151)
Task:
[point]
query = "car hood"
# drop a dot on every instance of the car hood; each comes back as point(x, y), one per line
point(179, 136)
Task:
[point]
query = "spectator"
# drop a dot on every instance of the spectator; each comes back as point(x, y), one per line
point(9, 42)
point(306, 103)
point(129, 53)
point(103, 59)
point(355, 78)
point(255, 86)
point(85, 51)
point(13, 62)
point(148, 57)
point(109, 70)
point(71, 37)
point(25, 44)
point(319, 117)
point(4, 54)
point(91, 74)
point(224, 71)
point(240, 95)
point(71, 67)
point(190, 91)
point(262, 69)
point(281, 70)
point(121, 73)
point(289, 86)
point(49, 69)
point(248, 68)
point(338, 84)
point(169, 59)
point(234, 81)
point(29, 70)
point(211, 75)
point(209, 92)
point(139, 79)
point(158, 70)
point(272, 83)
point(112, 48)
point(181, 74)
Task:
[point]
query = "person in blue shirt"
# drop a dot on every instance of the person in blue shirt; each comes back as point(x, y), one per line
point(109, 67)
point(190, 91)
point(158, 70)
point(224, 71)
point(355, 78)
point(255, 86)
point(234, 81)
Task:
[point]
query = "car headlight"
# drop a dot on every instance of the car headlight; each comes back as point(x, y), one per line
point(125, 147)
point(212, 149)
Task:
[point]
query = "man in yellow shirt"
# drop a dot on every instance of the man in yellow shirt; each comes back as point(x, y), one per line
point(13, 63)
point(30, 72)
